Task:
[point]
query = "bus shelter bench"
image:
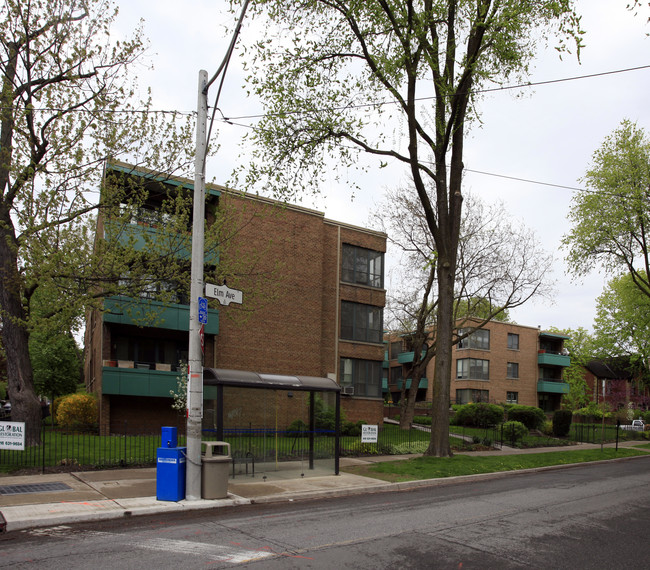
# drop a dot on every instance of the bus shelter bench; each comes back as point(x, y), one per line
point(246, 459)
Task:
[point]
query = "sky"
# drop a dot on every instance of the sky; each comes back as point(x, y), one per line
point(530, 151)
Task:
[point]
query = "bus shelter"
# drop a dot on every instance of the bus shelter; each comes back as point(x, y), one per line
point(254, 391)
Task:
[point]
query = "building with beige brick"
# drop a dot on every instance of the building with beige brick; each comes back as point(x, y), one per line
point(313, 292)
point(499, 363)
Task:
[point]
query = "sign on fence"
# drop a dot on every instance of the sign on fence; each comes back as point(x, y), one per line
point(12, 435)
point(369, 434)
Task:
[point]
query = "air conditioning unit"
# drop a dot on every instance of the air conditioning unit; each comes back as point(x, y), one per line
point(348, 390)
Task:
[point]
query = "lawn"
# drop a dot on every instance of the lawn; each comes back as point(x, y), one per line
point(419, 468)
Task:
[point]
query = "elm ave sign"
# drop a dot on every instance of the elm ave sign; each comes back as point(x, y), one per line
point(224, 294)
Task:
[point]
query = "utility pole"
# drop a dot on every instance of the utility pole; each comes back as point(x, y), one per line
point(195, 350)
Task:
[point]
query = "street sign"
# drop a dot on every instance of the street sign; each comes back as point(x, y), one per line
point(203, 310)
point(224, 294)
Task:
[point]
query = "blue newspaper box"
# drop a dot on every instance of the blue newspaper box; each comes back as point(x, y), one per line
point(170, 473)
point(169, 437)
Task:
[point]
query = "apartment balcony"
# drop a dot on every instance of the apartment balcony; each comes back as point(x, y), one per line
point(552, 387)
point(148, 313)
point(406, 357)
point(144, 382)
point(424, 383)
point(553, 359)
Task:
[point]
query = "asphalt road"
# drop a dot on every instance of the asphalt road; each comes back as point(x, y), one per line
point(592, 516)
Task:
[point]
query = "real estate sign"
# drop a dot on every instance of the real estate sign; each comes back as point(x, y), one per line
point(12, 435)
point(369, 434)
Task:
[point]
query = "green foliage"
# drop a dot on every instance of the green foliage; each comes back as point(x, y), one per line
point(622, 323)
point(3, 390)
point(478, 415)
point(594, 410)
point(547, 428)
point(610, 221)
point(422, 420)
point(562, 423)
point(77, 411)
point(513, 430)
point(531, 416)
point(56, 362)
point(298, 428)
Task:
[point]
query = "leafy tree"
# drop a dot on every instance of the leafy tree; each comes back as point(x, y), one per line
point(622, 323)
point(341, 77)
point(56, 361)
point(610, 222)
point(64, 100)
point(500, 266)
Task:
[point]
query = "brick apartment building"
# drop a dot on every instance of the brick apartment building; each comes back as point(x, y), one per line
point(313, 306)
point(500, 363)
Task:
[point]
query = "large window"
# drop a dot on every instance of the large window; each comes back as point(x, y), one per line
point(468, 396)
point(513, 370)
point(361, 322)
point(362, 266)
point(148, 352)
point(364, 375)
point(472, 369)
point(478, 339)
point(513, 341)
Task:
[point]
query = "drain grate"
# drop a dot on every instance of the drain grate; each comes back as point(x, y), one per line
point(33, 488)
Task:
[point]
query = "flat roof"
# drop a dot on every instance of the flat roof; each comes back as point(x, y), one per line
point(246, 379)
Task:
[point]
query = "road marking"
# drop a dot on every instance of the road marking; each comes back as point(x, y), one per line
point(212, 551)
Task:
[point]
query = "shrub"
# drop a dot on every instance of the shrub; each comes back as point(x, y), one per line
point(593, 410)
point(513, 430)
point(479, 415)
point(298, 428)
point(531, 416)
point(77, 411)
point(562, 423)
point(352, 428)
point(422, 420)
point(547, 428)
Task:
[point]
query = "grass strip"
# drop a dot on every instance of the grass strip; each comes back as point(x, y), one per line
point(419, 468)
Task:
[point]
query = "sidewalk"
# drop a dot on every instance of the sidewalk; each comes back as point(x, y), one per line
point(64, 498)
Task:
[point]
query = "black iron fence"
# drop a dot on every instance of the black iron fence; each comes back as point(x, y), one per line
point(61, 450)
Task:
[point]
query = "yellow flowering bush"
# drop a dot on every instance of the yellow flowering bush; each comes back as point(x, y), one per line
point(77, 411)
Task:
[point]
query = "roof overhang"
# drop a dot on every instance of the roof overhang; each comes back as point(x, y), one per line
point(245, 379)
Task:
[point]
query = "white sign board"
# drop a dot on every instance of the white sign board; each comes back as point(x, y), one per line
point(369, 434)
point(224, 294)
point(12, 435)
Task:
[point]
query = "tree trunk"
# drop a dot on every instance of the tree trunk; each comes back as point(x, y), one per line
point(25, 406)
point(439, 443)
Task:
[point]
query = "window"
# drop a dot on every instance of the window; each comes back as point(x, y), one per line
point(472, 396)
point(512, 397)
point(513, 341)
point(472, 369)
point(395, 374)
point(479, 339)
point(147, 352)
point(362, 266)
point(361, 322)
point(395, 349)
point(364, 375)
point(513, 370)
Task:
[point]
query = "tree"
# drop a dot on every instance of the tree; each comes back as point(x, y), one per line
point(611, 221)
point(57, 364)
point(333, 75)
point(500, 267)
point(64, 86)
point(622, 323)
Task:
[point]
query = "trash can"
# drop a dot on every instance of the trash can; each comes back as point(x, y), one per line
point(170, 467)
point(214, 471)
